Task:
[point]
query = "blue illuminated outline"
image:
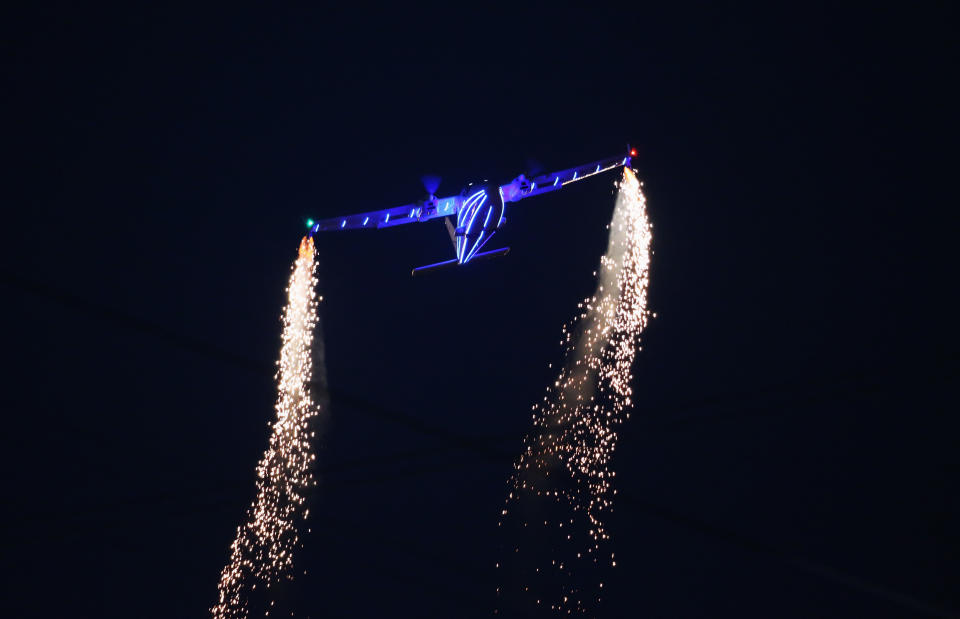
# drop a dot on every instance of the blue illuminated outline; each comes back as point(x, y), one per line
point(476, 210)
point(482, 245)
point(466, 207)
point(466, 236)
point(476, 246)
point(469, 203)
point(463, 213)
point(473, 217)
point(479, 245)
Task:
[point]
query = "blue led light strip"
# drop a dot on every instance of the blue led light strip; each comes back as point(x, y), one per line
point(462, 214)
point(476, 244)
point(470, 209)
point(467, 207)
point(597, 171)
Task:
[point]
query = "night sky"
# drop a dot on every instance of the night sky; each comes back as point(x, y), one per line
point(793, 448)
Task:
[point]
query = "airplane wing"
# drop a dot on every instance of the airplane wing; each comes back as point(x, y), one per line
point(406, 214)
point(425, 210)
point(522, 187)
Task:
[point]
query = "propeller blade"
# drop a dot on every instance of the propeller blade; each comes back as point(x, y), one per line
point(431, 182)
point(534, 167)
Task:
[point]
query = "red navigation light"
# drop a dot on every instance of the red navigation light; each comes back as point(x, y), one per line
point(633, 152)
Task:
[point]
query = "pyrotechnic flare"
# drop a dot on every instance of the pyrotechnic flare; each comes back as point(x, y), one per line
point(561, 488)
point(262, 551)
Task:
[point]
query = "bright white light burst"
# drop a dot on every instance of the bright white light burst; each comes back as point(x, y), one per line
point(567, 455)
point(265, 543)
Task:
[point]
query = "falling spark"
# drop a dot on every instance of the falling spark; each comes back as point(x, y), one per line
point(565, 468)
point(264, 546)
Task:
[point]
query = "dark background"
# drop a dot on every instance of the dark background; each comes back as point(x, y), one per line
point(793, 448)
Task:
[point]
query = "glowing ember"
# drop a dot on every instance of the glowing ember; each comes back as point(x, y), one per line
point(562, 482)
point(264, 546)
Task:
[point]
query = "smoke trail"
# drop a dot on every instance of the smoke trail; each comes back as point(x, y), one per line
point(561, 487)
point(262, 551)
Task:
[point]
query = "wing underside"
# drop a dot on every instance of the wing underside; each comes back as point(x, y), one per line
point(398, 215)
point(516, 190)
point(545, 183)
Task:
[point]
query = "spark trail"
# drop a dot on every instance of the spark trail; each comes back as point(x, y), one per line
point(561, 487)
point(262, 551)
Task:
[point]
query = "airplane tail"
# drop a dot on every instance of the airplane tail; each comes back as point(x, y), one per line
point(446, 264)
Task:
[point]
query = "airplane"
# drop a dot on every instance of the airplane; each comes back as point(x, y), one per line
point(479, 210)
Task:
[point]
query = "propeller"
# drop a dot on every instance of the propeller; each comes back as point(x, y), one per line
point(534, 167)
point(431, 182)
